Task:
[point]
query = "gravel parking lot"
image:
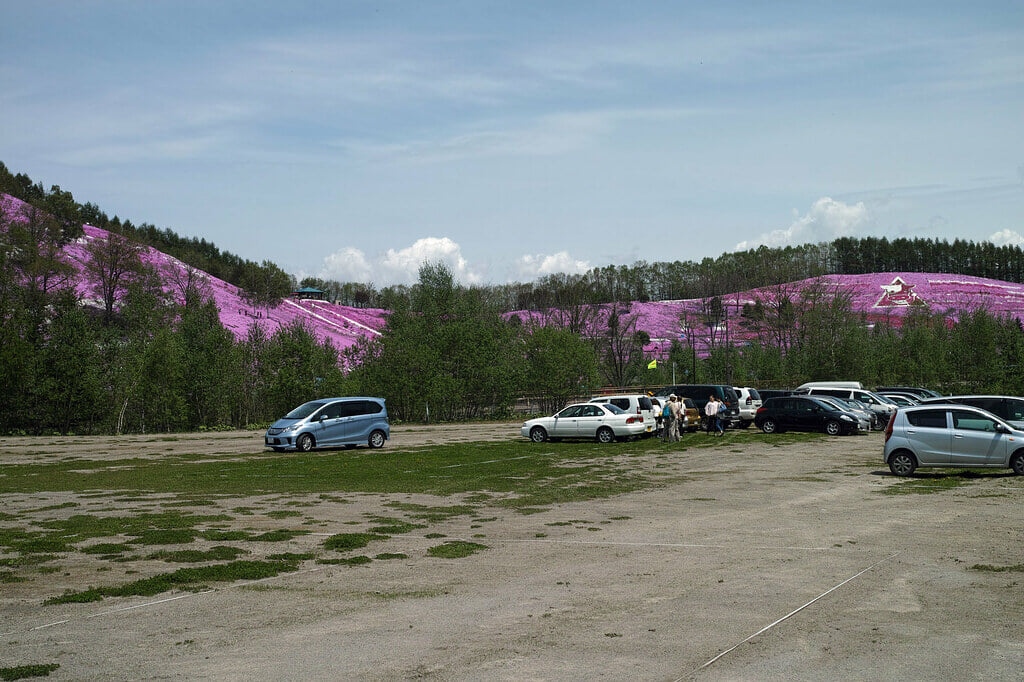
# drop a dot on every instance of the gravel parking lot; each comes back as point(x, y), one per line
point(751, 561)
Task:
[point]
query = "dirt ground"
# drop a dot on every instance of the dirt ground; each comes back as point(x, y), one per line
point(759, 562)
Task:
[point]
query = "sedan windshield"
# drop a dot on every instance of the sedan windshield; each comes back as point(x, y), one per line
point(304, 410)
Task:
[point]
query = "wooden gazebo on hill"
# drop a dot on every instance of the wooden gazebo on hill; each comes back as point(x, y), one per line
point(310, 292)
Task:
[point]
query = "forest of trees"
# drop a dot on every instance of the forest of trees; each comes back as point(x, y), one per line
point(156, 358)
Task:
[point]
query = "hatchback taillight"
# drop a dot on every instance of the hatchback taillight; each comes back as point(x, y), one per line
point(888, 428)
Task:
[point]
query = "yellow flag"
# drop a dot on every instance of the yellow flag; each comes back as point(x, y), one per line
point(653, 364)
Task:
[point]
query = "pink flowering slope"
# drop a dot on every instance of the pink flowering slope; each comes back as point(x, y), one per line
point(887, 296)
point(343, 326)
point(880, 297)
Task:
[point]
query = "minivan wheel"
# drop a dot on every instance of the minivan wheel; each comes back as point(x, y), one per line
point(902, 463)
point(538, 434)
point(769, 426)
point(605, 435)
point(833, 428)
point(1017, 463)
point(304, 442)
point(377, 439)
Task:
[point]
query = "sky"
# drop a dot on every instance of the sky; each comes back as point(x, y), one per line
point(356, 140)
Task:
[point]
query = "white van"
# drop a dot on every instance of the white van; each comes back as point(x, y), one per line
point(634, 403)
point(831, 384)
point(882, 408)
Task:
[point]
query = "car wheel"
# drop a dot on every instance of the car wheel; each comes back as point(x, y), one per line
point(304, 442)
point(769, 426)
point(538, 434)
point(605, 435)
point(902, 463)
point(1017, 463)
point(833, 428)
point(377, 439)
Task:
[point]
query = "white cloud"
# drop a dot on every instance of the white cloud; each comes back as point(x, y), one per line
point(399, 266)
point(403, 266)
point(1007, 238)
point(828, 219)
point(347, 265)
point(530, 266)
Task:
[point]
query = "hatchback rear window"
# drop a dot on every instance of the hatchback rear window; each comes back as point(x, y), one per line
point(935, 419)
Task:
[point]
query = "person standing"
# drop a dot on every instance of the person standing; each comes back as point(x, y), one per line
point(672, 428)
point(711, 410)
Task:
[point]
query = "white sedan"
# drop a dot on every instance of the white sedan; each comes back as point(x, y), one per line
point(605, 422)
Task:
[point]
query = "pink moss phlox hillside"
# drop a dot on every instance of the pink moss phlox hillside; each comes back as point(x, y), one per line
point(881, 297)
point(342, 325)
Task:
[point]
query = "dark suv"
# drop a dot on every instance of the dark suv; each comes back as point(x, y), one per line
point(699, 394)
point(803, 413)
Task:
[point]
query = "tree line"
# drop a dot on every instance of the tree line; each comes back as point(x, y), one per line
point(642, 281)
point(264, 282)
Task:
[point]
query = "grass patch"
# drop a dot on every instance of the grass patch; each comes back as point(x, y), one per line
point(11, 577)
point(291, 556)
point(394, 526)
point(931, 483)
point(344, 542)
point(107, 548)
point(278, 535)
point(388, 555)
point(166, 536)
point(349, 561)
point(22, 672)
point(1016, 568)
point(456, 549)
point(218, 535)
point(493, 472)
point(182, 578)
point(283, 513)
point(194, 556)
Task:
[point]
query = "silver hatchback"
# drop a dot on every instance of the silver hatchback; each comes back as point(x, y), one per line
point(951, 436)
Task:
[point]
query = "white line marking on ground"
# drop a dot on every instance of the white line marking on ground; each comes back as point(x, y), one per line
point(142, 606)
point(659, 544)
point(792, 613)
point(490, 461)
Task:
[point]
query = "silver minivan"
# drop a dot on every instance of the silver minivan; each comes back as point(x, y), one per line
point(951, 436)
point(882, 408)
point(331, 422)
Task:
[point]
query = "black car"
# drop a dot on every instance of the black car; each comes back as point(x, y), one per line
point(803, 413)
point(766, 393)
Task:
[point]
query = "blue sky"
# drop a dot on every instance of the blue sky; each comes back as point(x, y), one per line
point(354, 140)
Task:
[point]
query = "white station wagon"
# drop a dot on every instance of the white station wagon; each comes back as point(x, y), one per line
point(605, 422)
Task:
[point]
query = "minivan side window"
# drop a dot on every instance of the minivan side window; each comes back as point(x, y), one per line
point(332, 411)
point(934, 419)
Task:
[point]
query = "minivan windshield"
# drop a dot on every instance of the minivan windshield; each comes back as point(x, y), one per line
point(304, 410)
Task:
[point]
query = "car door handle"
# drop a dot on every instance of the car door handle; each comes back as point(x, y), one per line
point(958, 435)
